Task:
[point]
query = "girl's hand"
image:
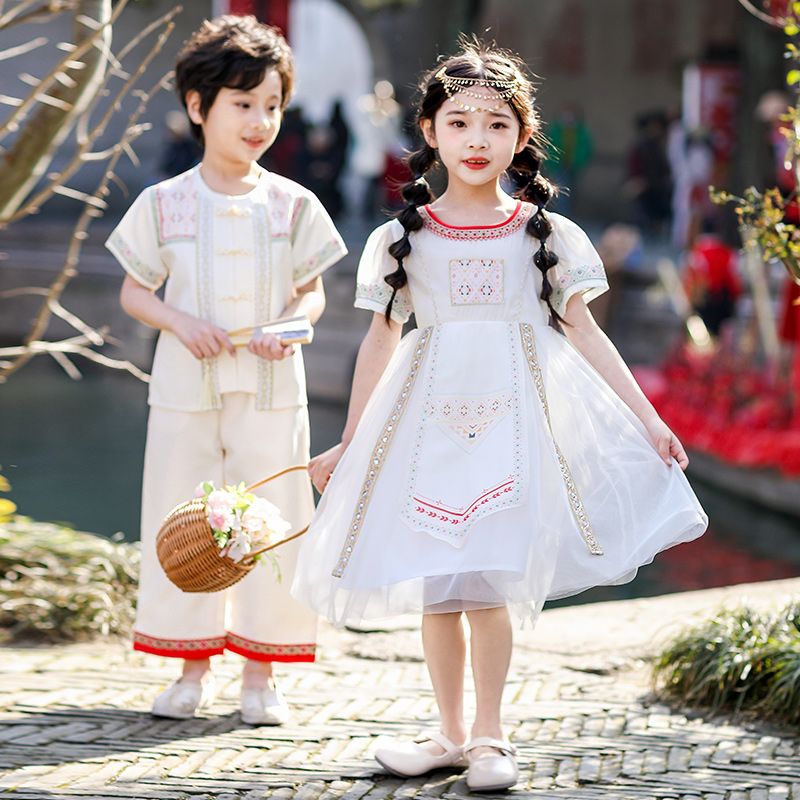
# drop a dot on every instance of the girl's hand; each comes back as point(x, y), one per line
point(202, 338)
point(666, 442)
point(269, 346)
point(321, 467)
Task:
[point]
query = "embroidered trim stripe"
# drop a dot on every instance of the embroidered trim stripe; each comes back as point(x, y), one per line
point(196, 648)
point(512, 225)
point(529, 348)
point(263, 651)
point(379, 452)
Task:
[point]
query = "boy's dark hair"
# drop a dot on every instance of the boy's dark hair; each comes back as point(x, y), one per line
point(234, 52)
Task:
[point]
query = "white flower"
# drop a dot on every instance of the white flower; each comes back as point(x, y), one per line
point(240, 545)
point(263, 521)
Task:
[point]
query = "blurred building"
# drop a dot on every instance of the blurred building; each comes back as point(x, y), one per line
point(613, 60)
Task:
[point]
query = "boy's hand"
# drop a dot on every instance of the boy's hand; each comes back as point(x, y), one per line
point(321, 467)
point(666, 442)
point(269, 346)
point(202, 338)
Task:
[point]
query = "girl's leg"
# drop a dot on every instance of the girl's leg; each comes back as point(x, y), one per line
point(490, 649)
point(445, 652)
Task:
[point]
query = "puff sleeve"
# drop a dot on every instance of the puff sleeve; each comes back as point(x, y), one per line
point(372, 291)
point(579, 268)
point(135, 244)
point(316, 244)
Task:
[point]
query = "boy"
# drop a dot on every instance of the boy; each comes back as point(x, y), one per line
point(236, 246)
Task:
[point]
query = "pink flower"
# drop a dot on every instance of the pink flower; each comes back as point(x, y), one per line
point(220, 502)
point(199, 490)
point(220, 520)
point(264, 522)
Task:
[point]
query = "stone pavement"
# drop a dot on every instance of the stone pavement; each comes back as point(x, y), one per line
point(74, 721)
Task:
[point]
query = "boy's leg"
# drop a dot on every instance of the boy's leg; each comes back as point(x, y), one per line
point(264, 622)
point(182, 450)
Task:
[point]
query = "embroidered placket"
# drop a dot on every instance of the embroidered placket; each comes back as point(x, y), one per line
point(380, 451)
point(578, 510)
point(205, 297)
point(262, 237)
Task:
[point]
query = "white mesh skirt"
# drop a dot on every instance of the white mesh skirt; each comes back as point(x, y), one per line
point(492, 466)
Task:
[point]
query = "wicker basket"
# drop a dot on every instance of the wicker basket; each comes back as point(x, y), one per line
point(189, 554)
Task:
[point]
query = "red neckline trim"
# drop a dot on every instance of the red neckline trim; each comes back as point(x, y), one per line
point(474, 227)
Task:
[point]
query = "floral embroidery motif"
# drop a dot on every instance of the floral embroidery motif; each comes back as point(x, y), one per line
point(279, 205)
point(578, 510)
point(380, 451)
point(458, 516)
point(572, 276)
point(176, 204)
point(476, 281)
point(381, 292)
point(512, 225)
point(150, 276)
point(466, 420)
point(321, 257)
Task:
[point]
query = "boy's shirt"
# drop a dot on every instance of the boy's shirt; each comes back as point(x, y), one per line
point(233, 260)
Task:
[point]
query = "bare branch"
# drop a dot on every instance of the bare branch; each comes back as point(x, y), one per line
point(12, 123)
point(20, 14)
point(65, 364)
point(13, 52)
point(32, 345)
point(34, 203)
point(776, 22)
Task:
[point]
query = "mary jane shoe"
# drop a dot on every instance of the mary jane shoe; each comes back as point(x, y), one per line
point(181, 699)
point(409, 759)
point(265, 706)
point(492, 772)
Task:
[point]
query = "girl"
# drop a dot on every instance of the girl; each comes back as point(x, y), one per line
point(501, 454)
point(235, 246)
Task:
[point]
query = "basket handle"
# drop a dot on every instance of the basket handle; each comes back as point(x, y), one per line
point(251, 556)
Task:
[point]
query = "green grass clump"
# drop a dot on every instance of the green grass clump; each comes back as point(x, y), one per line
point(741, 661)
point(57, 584)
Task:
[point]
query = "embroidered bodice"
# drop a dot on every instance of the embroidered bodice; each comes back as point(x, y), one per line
point(475, 274)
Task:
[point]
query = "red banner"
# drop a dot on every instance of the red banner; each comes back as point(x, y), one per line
point(273, 12)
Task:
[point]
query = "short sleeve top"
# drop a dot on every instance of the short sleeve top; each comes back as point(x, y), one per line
point(234, 260)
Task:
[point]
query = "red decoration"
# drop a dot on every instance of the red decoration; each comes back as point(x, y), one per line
point(273, 12)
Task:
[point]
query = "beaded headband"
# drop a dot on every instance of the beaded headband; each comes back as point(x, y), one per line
point(505, 90)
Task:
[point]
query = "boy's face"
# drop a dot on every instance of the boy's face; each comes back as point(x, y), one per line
point(240, 125)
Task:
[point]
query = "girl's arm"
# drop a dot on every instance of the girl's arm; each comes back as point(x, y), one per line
point(202, 338)
point(309, 301)
point(587, 337)
point(373, 356)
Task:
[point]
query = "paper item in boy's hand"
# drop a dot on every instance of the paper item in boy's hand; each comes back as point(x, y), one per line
point(292, 330)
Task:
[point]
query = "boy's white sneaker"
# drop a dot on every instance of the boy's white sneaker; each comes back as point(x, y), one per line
point(265, 706)
point(181, 699)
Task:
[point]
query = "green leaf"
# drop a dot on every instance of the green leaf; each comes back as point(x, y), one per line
point(791, 29)
point(793, 77)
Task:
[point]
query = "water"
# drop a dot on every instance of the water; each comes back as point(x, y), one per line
point(73, 453)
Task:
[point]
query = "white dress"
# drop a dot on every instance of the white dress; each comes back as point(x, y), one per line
point(492, 465)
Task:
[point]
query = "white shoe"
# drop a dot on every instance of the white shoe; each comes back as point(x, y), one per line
point(264, 706)
point(492, 772)
point(408, 759)
point(182, 698)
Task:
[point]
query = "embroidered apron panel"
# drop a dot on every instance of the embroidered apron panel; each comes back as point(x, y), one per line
point(470, 456)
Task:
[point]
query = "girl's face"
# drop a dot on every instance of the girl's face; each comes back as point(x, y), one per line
point(476, 147)
point(241, 125)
